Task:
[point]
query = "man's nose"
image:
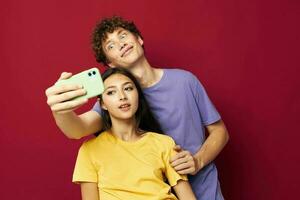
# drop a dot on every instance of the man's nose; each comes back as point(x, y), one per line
point(122, 45)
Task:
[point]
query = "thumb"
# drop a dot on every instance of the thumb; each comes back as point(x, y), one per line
point(177, 148)
point(65, 75)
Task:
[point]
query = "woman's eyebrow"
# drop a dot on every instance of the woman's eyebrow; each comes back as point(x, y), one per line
point(109, 87)
point(128, 82)
point(114, 86)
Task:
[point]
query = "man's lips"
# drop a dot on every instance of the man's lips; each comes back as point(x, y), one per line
point(127, 49)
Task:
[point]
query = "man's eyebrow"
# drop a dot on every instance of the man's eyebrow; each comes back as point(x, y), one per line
point(118, 33)
point(106, 42)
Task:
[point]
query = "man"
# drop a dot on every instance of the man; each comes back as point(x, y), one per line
point(176, 98)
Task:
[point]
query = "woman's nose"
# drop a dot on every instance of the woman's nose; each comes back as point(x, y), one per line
point(122, 96)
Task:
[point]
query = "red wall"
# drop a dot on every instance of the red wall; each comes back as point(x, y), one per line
point(245, 52)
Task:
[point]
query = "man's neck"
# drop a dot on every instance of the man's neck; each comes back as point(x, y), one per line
point(145, 73)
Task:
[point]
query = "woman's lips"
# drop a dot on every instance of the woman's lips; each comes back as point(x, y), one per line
point(124, 107)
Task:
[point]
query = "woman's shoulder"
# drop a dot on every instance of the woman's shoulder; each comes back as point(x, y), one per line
point(95, 141)
point(162, 139)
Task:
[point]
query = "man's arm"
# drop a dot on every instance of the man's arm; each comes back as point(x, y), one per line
point(59, 99)
point(89, 191)
point(185, 163)
point(76, 127)
point(217, 139)
point(184, 191)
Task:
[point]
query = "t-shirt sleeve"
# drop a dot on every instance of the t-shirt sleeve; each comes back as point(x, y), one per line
point(207, 110)
point(170, 173)
point(97, 108)
point(84, 170)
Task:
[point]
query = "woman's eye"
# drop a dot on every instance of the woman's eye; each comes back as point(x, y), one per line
point(129, 88)
point(110, 92)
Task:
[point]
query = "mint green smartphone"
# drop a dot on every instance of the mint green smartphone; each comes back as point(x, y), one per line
point(90, 80)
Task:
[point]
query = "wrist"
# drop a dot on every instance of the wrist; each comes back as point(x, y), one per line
point(199, 162)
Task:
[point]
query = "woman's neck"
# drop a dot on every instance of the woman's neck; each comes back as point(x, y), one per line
point(125, 129)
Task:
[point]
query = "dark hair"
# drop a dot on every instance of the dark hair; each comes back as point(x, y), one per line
point(109, 25)
point(144, 117)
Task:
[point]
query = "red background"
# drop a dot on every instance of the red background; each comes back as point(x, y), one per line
point(246, 53)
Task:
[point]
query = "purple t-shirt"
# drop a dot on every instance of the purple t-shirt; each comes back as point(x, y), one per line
point(181, 106)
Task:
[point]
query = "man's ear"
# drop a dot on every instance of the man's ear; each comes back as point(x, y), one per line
point(111, 65)
point(140, 40)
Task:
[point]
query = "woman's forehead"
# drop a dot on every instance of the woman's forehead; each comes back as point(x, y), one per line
point(117, 79)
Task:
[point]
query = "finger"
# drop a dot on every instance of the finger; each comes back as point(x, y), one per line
point(177, 148)
point(179, 161)
point(185, 171)
point(182, 166)
point(58, 89)
point(182, 154)
point(179, 155)
point(69, 105)
point(67, 96)
point(65, 75)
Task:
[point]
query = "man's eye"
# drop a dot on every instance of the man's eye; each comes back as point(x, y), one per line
point(123, 35)
point(111, 46)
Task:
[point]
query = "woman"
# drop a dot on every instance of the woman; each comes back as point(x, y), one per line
point(129, 160)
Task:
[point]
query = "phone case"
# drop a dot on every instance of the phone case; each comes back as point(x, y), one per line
point(90, 80)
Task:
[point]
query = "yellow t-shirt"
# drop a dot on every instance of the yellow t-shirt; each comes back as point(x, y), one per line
point(128, 170)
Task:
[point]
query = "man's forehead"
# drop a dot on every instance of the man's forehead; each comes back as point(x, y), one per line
point(116, 31)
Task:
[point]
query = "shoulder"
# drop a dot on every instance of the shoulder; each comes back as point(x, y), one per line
point(162, 140)
point(180, 74)
point(95, 141)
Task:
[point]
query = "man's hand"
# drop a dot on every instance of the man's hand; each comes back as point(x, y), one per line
point(184, 162)
point(59, 98)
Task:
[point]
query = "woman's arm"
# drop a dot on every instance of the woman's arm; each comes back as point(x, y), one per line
point(89, 191)
point(184, 190)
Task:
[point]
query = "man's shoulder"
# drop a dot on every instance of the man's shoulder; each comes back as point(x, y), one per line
point(179, 73)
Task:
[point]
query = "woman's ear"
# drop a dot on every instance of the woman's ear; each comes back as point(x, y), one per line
point(103, 107)
point(102, 104)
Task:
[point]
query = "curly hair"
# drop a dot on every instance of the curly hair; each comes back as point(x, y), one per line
point(109, 25)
